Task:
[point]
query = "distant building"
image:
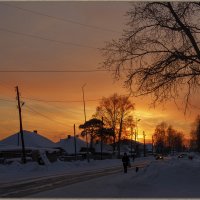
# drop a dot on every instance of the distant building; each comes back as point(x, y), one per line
point(69, 146)
point(36, 146)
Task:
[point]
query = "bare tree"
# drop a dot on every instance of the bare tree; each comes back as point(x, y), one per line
point(115, 110)
point(108, 109)
point(159, 53)
point(129, 124)
point(174, 140)
point(168, 139)
point(178, 141)
point(195, 135)
point(160, 137)
point(125, 109)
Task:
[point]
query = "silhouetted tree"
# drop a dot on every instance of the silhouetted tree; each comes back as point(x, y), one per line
point(168, 139)
point(129, 123)
point(178, 141)
point(195, 135)
point(91, 128)
point(159, 52)
point(105, 134)
point(114, 110)
point(160, 137)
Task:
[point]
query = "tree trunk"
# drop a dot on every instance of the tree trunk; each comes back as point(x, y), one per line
point(119, 139)
point(114, 143)
point(91, 142)
point(114, 140)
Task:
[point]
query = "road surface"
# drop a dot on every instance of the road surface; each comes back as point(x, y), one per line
point(28, 187)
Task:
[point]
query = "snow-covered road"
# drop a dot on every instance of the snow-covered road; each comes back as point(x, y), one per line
point(168, 178)
point(25, 188)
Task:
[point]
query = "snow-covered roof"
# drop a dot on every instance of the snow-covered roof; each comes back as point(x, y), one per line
point(68, 144)
point(31, 139)
point(19, 148)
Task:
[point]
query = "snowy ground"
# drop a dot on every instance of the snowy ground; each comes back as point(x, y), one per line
point(171, 177)
point(16, 171)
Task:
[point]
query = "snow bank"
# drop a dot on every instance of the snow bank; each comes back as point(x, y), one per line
point(168, 178)
point(17, 171)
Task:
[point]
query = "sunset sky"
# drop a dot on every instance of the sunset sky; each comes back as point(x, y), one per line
point(67, 36)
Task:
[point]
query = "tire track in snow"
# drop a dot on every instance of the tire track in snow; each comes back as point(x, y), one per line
point(27, 188)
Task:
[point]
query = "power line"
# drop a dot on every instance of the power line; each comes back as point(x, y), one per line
point(53, 71)
point(39, 113)
point(46, 39)
point(8, 129)
point(7, 100)
point(46, 102)
point(59, 101)
point(4, 84)
point(54, 106)
point(64, 101)
point(62, 19)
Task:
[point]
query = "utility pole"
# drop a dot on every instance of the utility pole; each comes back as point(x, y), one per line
point(152, 143)
point(21, 128)
point(102, 140)
point(75, 142)
point(131, 141)
point(18, 135)
point(87, 154)
point(136, 153)
point(144, 144)
point(135, 135)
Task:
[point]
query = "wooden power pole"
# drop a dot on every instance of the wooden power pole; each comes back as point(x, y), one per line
point(75, 142)
point(144, 144)
point(87, 154)
point(21, 128)
point(102, 140)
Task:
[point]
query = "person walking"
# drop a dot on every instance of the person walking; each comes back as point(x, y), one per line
point(125, 161)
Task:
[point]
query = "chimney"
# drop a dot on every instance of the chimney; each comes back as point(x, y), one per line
point(69, 136)
point(35, 131)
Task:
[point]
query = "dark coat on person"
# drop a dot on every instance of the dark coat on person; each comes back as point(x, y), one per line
point(125, 161)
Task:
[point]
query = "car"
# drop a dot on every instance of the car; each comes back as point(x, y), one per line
point(183, 155)
point(159, 157)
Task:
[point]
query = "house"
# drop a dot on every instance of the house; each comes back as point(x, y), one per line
point(31, 139)
point(106, 148)
point(68, 144)
point(37, 147)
